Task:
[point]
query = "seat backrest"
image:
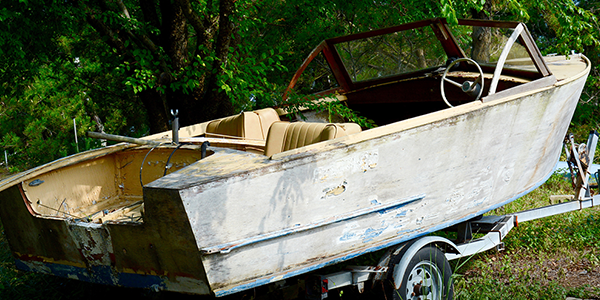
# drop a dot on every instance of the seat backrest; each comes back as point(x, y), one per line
point(285, 136)
point(247, 125)
point(266, 117)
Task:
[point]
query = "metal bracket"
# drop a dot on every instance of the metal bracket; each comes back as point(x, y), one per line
point(318, 286)
point(579, 159)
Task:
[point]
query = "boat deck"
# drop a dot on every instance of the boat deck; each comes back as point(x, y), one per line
point(565, 67)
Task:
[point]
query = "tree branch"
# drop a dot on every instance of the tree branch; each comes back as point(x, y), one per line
point(192, 17)
point(123, 8)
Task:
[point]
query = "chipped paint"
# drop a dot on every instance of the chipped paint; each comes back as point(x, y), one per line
point(351, 164)
point(227, 248)
point(336, 191)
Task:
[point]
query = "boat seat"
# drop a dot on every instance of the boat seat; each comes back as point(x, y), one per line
point(247, 125)
point(251, 125)
point(285, 136)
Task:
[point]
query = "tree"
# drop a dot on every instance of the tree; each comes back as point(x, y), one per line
point(123, 65)
point(119, 62)
point(176, 54)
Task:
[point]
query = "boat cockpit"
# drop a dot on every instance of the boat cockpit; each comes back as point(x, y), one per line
point(401, 72)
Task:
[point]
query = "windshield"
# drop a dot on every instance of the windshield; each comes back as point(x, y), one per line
point(391, 54)
point(485, 44)
point(419, 49)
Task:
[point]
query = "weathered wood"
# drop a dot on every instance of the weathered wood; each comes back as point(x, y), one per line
point(119, 138)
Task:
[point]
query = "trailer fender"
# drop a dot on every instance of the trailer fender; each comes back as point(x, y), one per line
point(408, 250)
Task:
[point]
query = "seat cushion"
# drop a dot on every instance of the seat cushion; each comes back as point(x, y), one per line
point(285, 136)
point(247, 125)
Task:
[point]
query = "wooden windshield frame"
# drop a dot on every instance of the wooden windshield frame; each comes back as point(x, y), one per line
point(441, 31)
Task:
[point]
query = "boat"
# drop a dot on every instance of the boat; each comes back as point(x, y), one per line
point(257, 198)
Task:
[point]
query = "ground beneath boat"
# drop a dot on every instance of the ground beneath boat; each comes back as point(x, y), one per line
point(575, 271)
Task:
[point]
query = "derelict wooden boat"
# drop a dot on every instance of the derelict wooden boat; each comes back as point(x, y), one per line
point(283, 199)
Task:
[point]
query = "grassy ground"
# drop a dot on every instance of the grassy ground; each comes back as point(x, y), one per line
point(551, 258)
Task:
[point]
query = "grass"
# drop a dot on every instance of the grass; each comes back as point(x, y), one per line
point(549, 258)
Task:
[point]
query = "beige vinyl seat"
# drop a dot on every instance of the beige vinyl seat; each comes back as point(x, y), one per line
point(285, 136)
point(251, 125)
point(247, 125)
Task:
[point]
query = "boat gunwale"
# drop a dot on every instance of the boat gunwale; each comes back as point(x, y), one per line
point(62, 163)
point(74, 159)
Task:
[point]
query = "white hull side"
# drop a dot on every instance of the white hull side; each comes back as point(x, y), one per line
point(440, 169)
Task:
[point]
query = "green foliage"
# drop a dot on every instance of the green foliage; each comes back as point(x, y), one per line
point(36, 114)
point(336, 110)
point(122, 56)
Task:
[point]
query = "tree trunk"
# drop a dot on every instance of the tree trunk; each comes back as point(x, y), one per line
point(156, 111)
point(175, 19)
point(482, 36)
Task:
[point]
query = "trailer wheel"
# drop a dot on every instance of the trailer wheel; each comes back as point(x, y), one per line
point(427, 276)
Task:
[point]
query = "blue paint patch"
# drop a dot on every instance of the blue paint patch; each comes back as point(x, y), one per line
point(385, 211)
point(97, 274)
point(22, 266)
point(375, 202)
point(401, 214)
point(371, 233)
point(347, 236)
point(141, 281)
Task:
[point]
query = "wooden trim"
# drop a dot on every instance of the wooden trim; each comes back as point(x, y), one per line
point(337, 67)
point(388, 30)
point(526, 87)
point(300, 70)
point(447, 39)
point(488, 23)
point(534, 53)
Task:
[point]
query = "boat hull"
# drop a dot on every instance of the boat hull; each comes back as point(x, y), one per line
point(258, 220)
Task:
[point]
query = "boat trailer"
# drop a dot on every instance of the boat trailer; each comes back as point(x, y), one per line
point(401, 266)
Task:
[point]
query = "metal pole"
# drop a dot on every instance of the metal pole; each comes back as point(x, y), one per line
point(175, 126)
point(75, 129)
point(6, 159)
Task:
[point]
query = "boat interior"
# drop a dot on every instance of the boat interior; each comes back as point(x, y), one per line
point(106, 188)
point(386, 75)
point(109, 188)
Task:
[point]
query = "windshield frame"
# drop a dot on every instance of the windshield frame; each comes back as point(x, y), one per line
point(444, 36)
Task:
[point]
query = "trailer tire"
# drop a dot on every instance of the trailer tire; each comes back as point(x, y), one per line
point(428, 276)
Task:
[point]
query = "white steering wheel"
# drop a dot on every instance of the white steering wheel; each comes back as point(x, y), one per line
point(472, 88)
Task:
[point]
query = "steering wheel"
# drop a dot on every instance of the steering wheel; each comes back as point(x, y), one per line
point(474, 89)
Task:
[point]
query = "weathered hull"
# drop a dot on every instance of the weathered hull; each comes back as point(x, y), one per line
point(258, 220)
